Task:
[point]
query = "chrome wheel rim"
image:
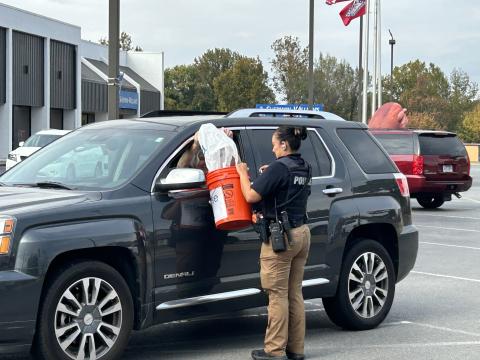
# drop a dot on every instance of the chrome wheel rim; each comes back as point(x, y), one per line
point(368, 285)
point(88, 319)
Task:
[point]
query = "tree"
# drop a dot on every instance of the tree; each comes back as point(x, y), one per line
point(423, 121)
point(125, 42)
point(181, 85)
point(462, 94)
point(290, 67)
point(243, 85)
point(336, 86)
point(470, 129)
point(210, 66)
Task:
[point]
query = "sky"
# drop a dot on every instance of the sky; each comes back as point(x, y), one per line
point(443, 32)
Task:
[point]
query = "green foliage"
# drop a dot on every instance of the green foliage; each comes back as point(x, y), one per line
point(290, 66)
point(220, 79)
point(470, 129)
point(426, 89)
point(125, 42)
point(243, 86)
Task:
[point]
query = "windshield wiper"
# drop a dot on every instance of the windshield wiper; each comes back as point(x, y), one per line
point(52, 184)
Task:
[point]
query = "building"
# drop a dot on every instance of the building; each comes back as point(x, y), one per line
point(51, 78)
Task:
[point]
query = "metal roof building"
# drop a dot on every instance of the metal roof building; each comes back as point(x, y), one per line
point(51, 78)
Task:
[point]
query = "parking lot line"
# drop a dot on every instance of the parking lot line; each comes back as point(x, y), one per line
point(447, 245)
point(448, 216)
point(474, 200)
point(444, 328)
point(445, 276)
point(447, 228)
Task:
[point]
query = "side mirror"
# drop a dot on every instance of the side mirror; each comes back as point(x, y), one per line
point(21, 143)
point(180, 179)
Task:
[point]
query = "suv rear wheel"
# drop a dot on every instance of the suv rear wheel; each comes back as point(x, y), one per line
point(366, 288)
point(87, 313)
point(430, 201)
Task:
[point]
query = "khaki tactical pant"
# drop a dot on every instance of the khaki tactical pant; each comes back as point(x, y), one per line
point(281, 275)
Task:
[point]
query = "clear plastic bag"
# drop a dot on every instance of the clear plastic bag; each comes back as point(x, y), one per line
point(220, 151)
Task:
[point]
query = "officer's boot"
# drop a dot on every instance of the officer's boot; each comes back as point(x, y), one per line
point(294, 356)
point(262, 355)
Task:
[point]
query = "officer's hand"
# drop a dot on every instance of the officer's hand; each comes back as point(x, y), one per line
point(242, 169)
point(262, 168)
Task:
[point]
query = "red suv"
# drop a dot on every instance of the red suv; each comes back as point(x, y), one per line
point(435, 162)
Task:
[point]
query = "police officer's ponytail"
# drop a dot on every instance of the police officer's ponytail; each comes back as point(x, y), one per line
point(292, 135)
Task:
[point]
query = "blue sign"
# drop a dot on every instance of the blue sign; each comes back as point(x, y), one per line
point(128, 100)
point(317, 107)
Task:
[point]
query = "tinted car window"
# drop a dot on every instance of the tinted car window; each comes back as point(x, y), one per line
point(367, 153)
point(431, 144)
point(396, 144)
point(262, 140)
point(322, 154)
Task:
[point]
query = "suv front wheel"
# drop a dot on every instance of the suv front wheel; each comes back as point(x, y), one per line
point(366, 288)
point(87, 313)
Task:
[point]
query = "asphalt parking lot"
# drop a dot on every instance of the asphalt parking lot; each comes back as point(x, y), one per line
point(435, 315)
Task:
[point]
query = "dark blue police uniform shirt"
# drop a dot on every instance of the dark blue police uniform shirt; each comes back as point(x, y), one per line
point(274, 181)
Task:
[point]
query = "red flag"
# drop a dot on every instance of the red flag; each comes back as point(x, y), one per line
point(353, 10)
point(331, 2)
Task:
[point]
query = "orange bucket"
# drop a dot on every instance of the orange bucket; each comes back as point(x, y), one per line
point(231, 210)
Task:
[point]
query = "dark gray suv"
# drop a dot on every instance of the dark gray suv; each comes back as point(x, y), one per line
point(91, 250)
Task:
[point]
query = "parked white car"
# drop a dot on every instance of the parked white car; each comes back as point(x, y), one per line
point(242, 113)
point(32, 144)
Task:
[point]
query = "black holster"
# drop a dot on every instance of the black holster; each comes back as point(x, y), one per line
point(261, 228)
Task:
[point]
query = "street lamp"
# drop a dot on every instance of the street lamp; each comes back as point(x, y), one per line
point(391, 42)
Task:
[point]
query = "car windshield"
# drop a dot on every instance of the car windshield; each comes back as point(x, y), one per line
point(40, 140)
point(89, 159)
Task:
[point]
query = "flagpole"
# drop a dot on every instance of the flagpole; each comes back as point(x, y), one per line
point(379, 54)
point(360, 70)
point(365, 64)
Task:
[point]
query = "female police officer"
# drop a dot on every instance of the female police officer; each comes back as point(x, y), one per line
point(283, 186)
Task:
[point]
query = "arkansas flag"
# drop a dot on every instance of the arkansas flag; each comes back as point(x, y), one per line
point(353, 10)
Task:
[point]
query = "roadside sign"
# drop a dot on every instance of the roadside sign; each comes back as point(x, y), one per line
point(316, 107)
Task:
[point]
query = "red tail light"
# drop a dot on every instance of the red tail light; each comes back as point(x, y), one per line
point(417, 165)
point(468, 164)
point(402, 184)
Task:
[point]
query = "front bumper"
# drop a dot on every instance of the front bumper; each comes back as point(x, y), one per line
point(419, 184)
point(19, 294)
point(407, 251)
point(10, 163)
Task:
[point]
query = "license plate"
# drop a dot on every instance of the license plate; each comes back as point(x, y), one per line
point(447, 168)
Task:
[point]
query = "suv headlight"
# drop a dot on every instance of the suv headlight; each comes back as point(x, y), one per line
point(12, 157)
point(7, 225)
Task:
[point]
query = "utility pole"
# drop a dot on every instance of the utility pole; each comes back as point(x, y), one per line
point(113, 57)
point(310, 58)
point(391, 42)
point(379, 54)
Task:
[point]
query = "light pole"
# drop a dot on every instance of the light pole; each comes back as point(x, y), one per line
point(113, 57)
point(391, 42)
point(310, 58)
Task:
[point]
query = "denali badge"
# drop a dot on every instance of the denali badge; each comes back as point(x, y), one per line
point(179, 275)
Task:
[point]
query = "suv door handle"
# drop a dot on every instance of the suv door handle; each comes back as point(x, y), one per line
point(332, 191)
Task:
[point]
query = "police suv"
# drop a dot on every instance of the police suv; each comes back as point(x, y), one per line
point(85, 257)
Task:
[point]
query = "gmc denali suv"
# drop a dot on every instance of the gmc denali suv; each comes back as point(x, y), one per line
point(124, 239)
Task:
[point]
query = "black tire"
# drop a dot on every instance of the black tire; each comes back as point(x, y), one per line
point(46, 345)
point(430, 201)
point(340, 309)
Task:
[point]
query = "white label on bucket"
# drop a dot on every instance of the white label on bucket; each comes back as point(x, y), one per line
point(218, 204)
